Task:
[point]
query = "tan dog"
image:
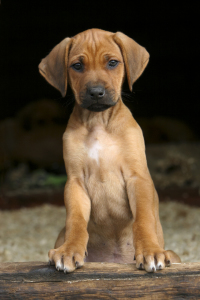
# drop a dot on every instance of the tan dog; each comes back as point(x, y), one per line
point(111, 203)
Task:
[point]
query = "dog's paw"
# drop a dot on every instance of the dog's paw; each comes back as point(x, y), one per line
point(153, 260)
point(66, 258)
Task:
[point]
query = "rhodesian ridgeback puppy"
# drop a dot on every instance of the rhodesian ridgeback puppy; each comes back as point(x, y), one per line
point(111, 203)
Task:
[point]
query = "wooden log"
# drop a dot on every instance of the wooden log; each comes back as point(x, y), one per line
point(38, 280)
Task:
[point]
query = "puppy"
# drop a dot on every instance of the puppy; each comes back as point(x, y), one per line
point(112, 212)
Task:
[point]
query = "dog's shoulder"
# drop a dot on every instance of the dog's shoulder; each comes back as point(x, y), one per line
point(129, 127)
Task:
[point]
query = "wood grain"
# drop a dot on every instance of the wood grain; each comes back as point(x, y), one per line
point(37, 280)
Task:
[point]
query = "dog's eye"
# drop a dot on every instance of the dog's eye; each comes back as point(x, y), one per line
point(77, 67)
point(113, 63)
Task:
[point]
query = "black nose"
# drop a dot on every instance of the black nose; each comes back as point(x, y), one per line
point(97, 92)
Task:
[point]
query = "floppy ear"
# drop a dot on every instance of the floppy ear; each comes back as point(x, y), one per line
point(135, 57)
point(54, 66)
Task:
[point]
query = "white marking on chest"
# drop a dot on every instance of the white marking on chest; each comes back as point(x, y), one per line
point(94, 151)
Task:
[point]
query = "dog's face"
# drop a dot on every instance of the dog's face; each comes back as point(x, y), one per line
point(94, 63)
point(95, 70)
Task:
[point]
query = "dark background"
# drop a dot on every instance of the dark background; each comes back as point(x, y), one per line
point(169, 85)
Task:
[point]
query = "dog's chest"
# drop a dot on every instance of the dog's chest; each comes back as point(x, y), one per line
point(95, 150)
point(102, 148)
point(103, 177)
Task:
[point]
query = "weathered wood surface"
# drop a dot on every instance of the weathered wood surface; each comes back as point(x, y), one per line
point(37, 280)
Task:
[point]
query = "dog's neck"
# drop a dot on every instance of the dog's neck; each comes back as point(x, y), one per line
point(90, 119)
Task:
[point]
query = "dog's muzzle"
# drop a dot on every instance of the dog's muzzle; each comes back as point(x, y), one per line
point(97, 98)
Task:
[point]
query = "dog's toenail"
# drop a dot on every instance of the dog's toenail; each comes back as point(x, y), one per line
point(168, 262)
point(153, 269)
point(141, 266)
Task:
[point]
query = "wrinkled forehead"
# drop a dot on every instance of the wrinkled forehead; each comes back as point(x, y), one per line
point(94, 42)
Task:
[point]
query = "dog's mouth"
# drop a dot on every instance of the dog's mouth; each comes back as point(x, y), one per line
point(97, 98)
point(97, 107)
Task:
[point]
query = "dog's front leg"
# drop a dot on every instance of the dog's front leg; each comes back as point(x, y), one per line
point(148, 243)
point(71, 254)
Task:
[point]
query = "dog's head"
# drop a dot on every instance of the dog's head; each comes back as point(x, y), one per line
point(94, 63)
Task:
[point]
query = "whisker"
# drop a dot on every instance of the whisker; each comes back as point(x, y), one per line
point(127, 96)
point(66, 103)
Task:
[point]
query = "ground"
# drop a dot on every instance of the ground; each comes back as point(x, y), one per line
point(28, 233)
